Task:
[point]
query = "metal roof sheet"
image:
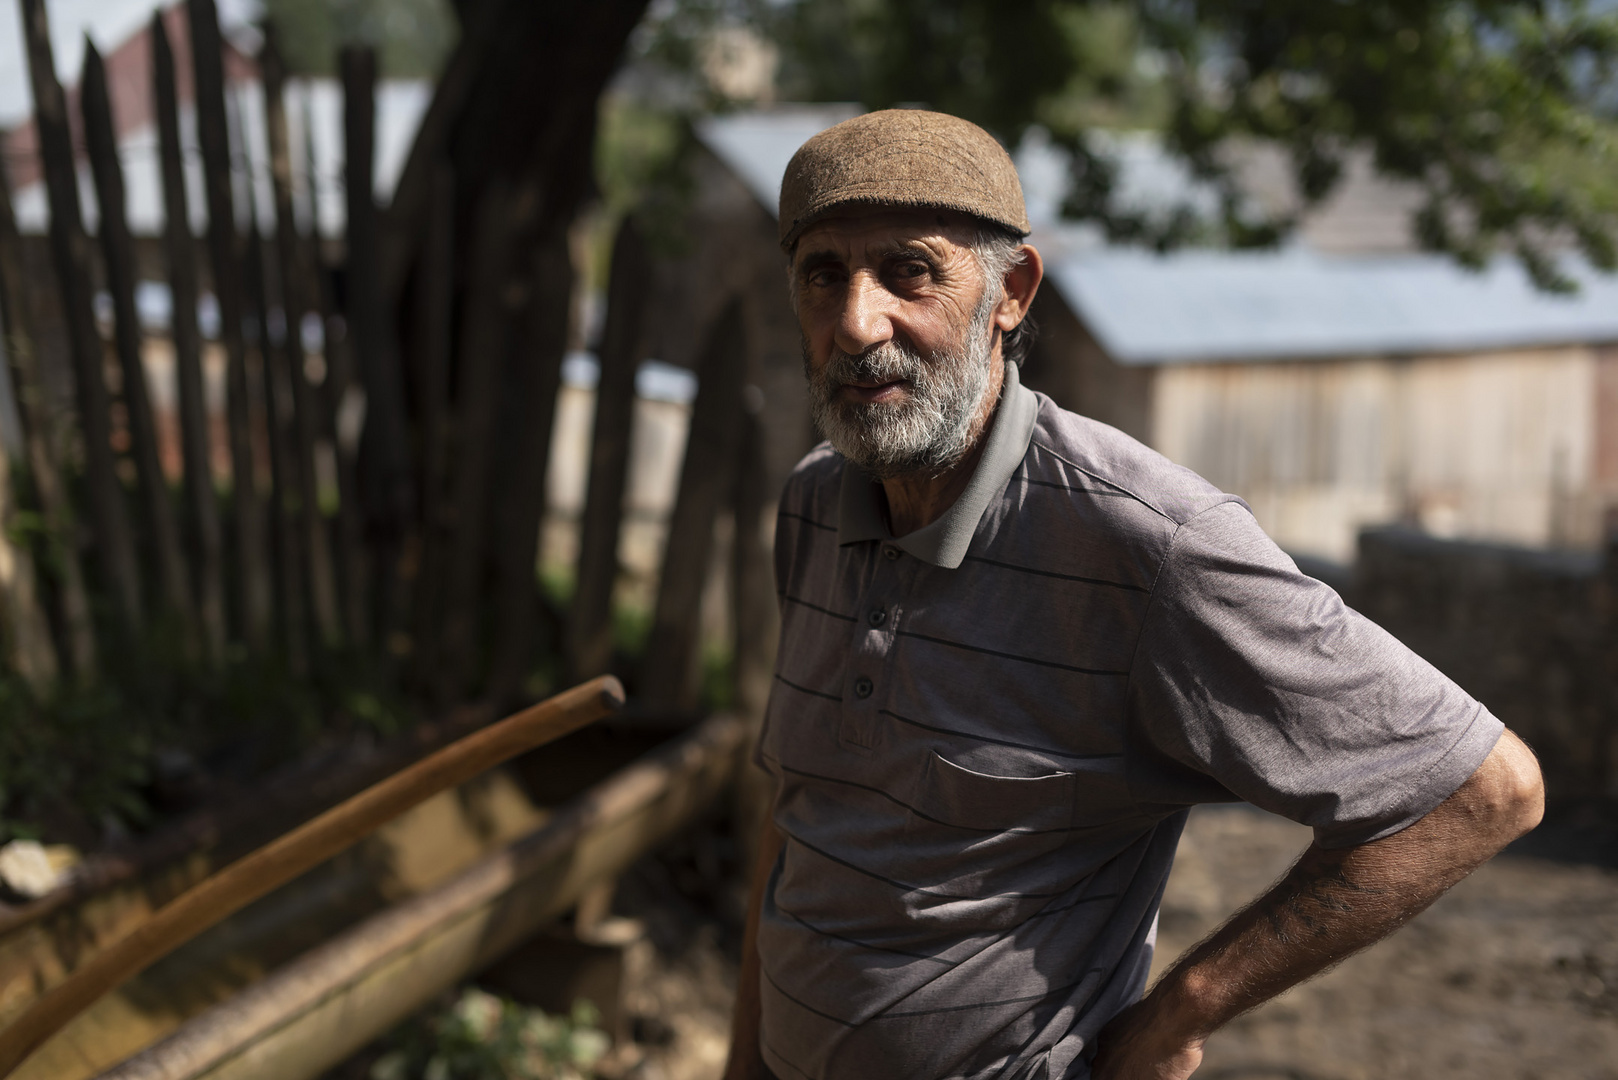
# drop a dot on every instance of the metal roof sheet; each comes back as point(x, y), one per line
point(1204, 306)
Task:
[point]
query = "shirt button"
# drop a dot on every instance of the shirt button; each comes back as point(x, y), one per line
point(877, 617)
point(890, 552)
point(863, 687)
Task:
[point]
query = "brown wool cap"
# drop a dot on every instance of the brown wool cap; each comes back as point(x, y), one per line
point(902, 157)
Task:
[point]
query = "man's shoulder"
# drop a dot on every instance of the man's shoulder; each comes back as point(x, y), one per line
point(1085, 456)
point(811, 491)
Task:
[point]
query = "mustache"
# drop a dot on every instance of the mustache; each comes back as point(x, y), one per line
point(888, 362)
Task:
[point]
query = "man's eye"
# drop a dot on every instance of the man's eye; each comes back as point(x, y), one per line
point(912, 270)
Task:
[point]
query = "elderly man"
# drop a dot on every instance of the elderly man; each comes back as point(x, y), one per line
point(1016, 647)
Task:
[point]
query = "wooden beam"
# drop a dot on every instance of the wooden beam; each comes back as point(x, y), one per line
point(589, 645)
point(317, 1011)
point(44, 433)
point(532, 383)
point(115, 541)
point(202, 508)
point(297, 302)
point(669, 676)
point(118, 255)
point(254, 592)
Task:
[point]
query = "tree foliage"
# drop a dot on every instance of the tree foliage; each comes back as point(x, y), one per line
point(412, 37)
point(1503, 112)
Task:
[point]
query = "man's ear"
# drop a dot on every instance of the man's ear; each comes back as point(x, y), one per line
point(1021, 283)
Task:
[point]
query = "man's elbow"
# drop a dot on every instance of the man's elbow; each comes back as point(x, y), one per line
point(1515, 800)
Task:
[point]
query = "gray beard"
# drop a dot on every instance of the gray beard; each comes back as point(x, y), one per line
point(930, 430)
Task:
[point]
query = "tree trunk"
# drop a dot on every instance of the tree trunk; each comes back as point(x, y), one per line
point(213, 134)
point(485, 340)
point(386, 495)
point(115, 542)
point(435, 310)
point(202, 509)
point(118, 252)
point(707, 481)
point(590, 625)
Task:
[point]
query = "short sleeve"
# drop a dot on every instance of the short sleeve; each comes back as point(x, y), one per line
point(1254, 679)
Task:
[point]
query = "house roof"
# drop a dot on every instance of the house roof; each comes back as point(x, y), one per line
point(1212, 305)
point(1204, 306)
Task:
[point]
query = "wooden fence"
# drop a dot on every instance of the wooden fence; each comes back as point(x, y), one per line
point(451, 321)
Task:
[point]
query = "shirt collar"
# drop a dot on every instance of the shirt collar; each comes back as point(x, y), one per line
point(944, 542)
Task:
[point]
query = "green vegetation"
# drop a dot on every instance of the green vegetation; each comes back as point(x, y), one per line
point(111, 756)
point(478, 1036)
point(1503, 112)
point(412, 37)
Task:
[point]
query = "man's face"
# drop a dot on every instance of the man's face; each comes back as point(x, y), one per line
point(898, 338)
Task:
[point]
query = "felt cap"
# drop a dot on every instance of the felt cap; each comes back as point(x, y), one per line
point(902, 157)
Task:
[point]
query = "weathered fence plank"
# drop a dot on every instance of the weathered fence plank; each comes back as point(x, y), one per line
point(532, 383)
point(115, 541)
point(285, 534)
point(44, 433)
point(296, 302)
point(202, 509)
point(253, 571)
point(118, 255)
point(589, 644)
point(669, 677)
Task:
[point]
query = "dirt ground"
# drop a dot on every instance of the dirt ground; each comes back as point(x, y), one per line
point(1512, 975)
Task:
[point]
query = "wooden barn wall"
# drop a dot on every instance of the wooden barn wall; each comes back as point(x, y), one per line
point(1502, 446)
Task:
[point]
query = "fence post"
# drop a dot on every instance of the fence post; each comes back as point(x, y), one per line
point(28, 648)
point(118, 253)
point(295, 302)
point(202, 510)
point(589, 642)
point(114, 538)
point(212, 132)
point(707, 481)
point(533, 383)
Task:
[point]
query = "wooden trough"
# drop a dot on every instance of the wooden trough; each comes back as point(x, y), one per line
point(469, 875)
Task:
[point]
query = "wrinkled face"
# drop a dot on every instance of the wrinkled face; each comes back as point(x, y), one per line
point(898, 338)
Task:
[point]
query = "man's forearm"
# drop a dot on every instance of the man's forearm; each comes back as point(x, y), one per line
point(1330, 905)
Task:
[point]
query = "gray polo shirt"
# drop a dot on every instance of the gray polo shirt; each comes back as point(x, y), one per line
point(986, 735)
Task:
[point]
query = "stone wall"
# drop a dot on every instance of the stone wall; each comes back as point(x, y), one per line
point(1532, 634)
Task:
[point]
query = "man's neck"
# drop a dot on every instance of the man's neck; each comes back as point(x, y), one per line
point(914, 502)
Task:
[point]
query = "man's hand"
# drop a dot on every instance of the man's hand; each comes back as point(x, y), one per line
point(1134, 1047)
point(1332, 904)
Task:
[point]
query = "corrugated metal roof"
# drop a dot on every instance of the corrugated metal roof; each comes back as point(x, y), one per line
point(1205, 306)
point(757, 146)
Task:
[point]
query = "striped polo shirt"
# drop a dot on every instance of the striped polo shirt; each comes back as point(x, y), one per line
point(986, 735)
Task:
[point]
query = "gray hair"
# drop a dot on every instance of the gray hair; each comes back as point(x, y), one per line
point(998, 252)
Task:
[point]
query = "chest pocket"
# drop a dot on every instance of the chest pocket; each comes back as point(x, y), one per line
point(955, 795)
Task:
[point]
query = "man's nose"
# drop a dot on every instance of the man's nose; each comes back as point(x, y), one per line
point(863, 322)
